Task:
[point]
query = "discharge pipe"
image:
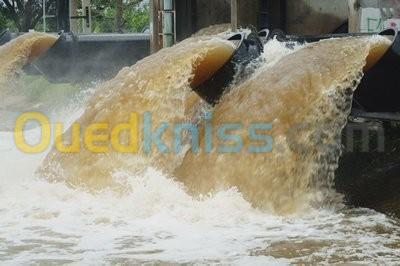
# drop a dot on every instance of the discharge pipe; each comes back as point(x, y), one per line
point(378, 91)
point(248, 48)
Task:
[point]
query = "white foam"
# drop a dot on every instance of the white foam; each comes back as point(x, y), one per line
point(159, 221)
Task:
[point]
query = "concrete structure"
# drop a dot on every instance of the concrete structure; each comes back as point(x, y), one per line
point(292, 16)
point(373, 15)
point(315, 16)
point(86, 17)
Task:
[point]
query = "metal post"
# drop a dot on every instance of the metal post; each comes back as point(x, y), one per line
point(168, 23)
point(87, 24)
point(73, 13)
point(234, 15)
point(44, 15)
point(154, 25)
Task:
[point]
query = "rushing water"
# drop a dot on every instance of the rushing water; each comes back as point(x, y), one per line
point(300, 218)
point(16, 53)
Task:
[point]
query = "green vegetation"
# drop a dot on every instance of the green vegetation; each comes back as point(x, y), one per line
point(120, 16)
point(23, 15)
point(3, 21)
point(6, 23)
point(107, 15)
point(137, 20)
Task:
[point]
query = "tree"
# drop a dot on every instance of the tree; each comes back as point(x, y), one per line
point(137, 20)
point(3, 22)
point(25, 14)
point(120, 15)
point(107, 15)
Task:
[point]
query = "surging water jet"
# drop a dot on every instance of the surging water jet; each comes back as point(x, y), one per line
point(21, 51)
point(368, 168)
point(160, 84)
point(84, 58)
point(381, 68)
point(306, 96)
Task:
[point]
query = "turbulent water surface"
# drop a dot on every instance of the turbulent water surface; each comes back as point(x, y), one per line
point(199, 208)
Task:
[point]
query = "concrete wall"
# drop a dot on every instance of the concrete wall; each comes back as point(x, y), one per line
point(185, 18)
point(293, 16)
point(315, 16)
point(212, 12)
point(244, 13)
point(193, 15)
point(374, 15)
